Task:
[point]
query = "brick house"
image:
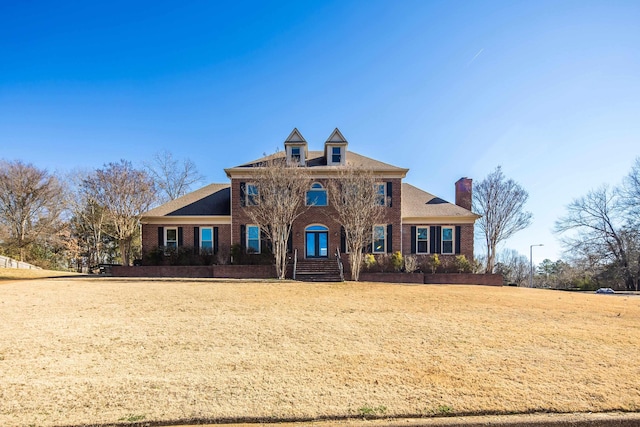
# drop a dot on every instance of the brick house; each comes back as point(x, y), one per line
point(214, 217)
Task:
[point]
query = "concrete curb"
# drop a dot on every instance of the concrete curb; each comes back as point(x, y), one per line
point(609, 419)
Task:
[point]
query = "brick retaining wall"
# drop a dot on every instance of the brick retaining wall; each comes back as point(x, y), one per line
point(463, 279)
point(269, 272)
point(189, 271)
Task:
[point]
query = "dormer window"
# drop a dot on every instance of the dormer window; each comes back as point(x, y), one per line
point(336, 155)
point(296, 149)
point(295, 154)
point(335, 149)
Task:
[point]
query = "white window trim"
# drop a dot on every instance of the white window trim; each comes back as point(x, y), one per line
point(311, 189)
point(202, 240)
point(428, 239)
point(330, 161)
point(256, 200)
point(166, 229)
point(384, 245)
point(247, 238)
point(290, 158)
point(384, 192)
point(453, 240)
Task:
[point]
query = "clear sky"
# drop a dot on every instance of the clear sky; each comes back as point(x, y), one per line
point(550, 90)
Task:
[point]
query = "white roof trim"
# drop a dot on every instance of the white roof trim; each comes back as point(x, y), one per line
point(188, 220)
point(442, 220)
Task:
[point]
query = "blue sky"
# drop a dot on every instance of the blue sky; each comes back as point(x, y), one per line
point(550, 90)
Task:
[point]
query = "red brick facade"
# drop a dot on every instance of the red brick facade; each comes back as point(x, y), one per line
point(424, 211)
point(466, 240)
point(320, 215)
point(151, 238)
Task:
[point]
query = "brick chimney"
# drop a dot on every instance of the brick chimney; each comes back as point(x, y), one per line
point(463, 192)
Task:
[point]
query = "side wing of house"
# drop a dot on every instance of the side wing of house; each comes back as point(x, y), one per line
point(431, 225)
point(198, 223)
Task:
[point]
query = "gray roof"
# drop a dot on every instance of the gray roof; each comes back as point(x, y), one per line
point(215, 200)
point(212, 200)
point(316, 159)
point(417, 203)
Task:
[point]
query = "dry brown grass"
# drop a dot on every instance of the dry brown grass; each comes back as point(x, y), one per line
point(80, 351)
point(22, 274)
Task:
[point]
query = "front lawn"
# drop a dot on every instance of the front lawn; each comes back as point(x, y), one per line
point(87, 351)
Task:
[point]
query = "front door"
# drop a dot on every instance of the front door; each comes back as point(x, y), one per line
point(317, 242)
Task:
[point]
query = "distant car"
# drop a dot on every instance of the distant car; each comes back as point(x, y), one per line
point(605, 291)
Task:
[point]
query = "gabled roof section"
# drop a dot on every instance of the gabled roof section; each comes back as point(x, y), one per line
point(417, 204)
point(336, 137)
point(317, 163)
point(295, 137)
point(212, 200)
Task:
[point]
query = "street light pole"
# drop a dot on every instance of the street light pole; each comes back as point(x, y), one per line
point(531, 264)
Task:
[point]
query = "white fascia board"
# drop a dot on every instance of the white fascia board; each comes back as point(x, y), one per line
point(191, 219)
point(443, 220)
point(317, 172)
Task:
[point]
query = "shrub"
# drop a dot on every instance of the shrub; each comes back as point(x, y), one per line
point(239, 257)
point(462, 264)
point(434, 263)
point(369, 262)
point(397, 261)
point(410, 263)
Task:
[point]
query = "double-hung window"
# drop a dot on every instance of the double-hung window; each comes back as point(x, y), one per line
point(336, 155)
point(381, 191)
point(171, 237)
point(252, 194)
point(379, 239)
point(206, 239)
point(295, 154)
point(422, 240)
point(253, 239)
point(447, 240)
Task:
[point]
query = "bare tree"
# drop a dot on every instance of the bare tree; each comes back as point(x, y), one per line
point(500, 202)
point(88, 220)
point(513, 266)
point(630, 192)
point(125, 193)
point(355, 197)
point(601, 233)
point(173, 177)
point(282, 190)
point(31, 204)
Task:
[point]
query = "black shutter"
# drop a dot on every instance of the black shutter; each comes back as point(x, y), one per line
point(196, 239)
point(243, 193)
point(243, 237)
point(432, 240)
point(179, 236)
point(290, 242)
point(215, 240)
point(438, 239)
point(457, 240)
point(389, 238)
point(160, 236)
point(413, 239)
point(343, 240)
point(389, 194)
point(265, 243)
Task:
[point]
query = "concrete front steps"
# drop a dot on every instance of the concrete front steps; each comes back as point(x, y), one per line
point(318, 270)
